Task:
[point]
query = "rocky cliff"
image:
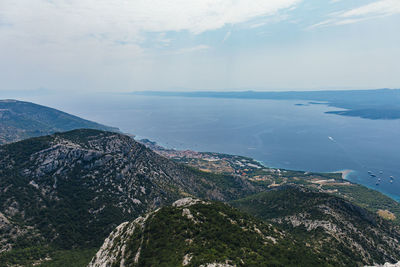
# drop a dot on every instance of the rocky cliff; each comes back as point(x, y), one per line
point(338, 230)
point(193, 232)
point(71, 189)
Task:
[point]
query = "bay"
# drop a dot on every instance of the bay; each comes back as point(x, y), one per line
point(278, 133)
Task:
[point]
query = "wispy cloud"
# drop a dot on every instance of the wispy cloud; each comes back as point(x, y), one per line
point(377, 9)
point(87, 33)
point(190, 49)
point(226, 37)
point(122, 44)
point(123, 20)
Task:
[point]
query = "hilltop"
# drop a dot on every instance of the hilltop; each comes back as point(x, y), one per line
point(193, 232)
point(69, 190)
point(20, 120)
point(332, 226)
point(64, 193)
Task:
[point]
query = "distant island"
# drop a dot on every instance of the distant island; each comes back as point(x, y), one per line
point(377, 104)
point(65, 192)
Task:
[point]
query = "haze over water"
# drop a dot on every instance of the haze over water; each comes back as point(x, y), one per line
point(278, 133)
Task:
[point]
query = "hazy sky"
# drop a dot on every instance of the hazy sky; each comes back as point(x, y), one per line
point(127, 45)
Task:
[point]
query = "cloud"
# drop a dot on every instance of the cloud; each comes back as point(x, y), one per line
point(226, 37)
point(70, 42)
point(377, 9)
point(191, 49)
point(124, 21)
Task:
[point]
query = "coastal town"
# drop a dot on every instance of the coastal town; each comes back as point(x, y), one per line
point(245, 167)
point(254, 171)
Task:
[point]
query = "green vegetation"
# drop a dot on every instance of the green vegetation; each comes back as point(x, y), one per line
point(231, 185)
point(61, 220)
point(75, 257)
point(47, 257)
point(216, 239)
point(298, 227)
point(70, 190)
point(62, 194)
point(331, 183)
point(215, 234)
point(20, 120)
point(367, 198)
point(326, 222)
point(232, 165)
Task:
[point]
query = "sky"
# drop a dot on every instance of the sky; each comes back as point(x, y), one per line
point(176, 45)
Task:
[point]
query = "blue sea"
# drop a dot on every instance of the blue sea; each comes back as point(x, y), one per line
point(278, 133)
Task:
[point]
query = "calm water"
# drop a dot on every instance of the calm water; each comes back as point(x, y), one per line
point(279, 133)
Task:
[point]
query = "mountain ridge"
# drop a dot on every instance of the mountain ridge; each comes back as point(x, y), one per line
point(20, 120)
point(193, 232)
point(328, 223)
point(71, 189)
point(65, 193)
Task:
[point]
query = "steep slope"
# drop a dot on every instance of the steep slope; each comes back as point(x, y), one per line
point(192, 232)
point(20, 120)
point(71, 189)
point(330, 225)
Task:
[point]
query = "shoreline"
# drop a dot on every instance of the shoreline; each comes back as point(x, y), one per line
point(345, 173)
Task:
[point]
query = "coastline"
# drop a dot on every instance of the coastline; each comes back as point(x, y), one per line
point(345, 173)
point(210, 162)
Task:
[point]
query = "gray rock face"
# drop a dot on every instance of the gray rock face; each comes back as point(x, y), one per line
point(114, 247)
point(128, 244)
point(329, 224)
point(89, 179)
